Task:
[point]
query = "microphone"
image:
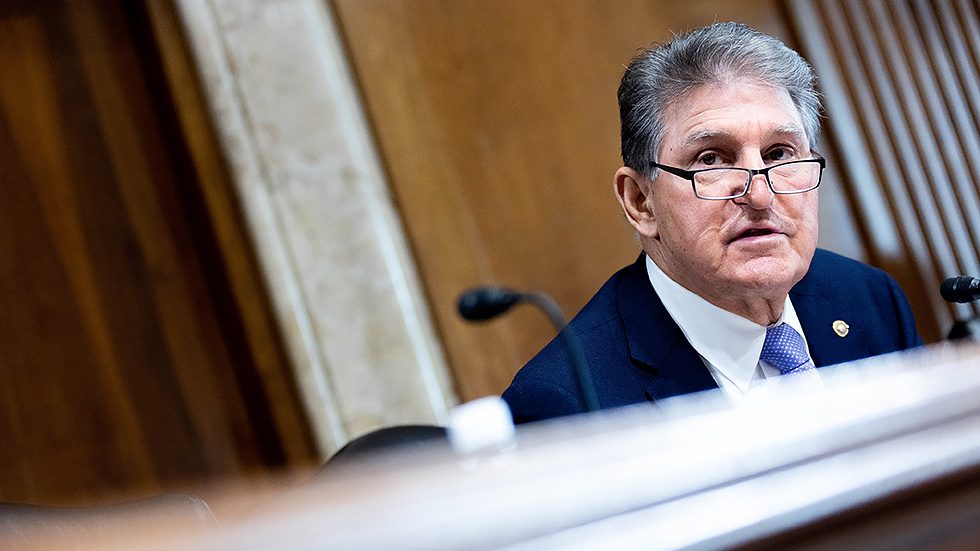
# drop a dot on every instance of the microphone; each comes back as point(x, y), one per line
point(960, 289)
point(484, 303)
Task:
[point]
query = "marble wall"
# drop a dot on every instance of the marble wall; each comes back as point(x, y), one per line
point(313, 191)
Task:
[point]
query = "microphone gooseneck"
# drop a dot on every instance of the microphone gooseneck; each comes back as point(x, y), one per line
point(960, 289)
point(484, 303)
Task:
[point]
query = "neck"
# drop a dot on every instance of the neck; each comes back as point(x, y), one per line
point(759, 310)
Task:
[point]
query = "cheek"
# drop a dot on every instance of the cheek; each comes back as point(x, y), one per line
point(694, 231)
point(686, 224)
point(807, 220)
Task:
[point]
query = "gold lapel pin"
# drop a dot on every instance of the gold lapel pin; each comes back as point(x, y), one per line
point(841, 328)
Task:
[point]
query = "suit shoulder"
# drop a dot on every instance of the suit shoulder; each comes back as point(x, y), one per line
point(828, 267)
point(835, 285)
point(547, 385)
point(824, 260)
point(603, 306)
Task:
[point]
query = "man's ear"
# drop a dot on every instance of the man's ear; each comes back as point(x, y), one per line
point(633, 192)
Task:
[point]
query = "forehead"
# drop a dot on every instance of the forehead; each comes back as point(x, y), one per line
point(737, 109)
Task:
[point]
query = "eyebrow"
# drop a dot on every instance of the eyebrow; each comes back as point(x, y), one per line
point(793, 130)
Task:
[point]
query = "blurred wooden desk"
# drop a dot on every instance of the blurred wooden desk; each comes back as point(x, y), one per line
point(886, 456)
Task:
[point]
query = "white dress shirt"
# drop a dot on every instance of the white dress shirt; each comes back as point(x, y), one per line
point(728, 344)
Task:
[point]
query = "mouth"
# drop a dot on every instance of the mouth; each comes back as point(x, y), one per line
point(750, 233)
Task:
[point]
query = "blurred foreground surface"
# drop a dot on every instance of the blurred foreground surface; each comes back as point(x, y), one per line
point(885, 456)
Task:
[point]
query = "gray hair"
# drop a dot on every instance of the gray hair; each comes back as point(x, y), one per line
point(660, 75)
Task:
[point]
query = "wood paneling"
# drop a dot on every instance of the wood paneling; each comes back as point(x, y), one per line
point(268, 379)
point(125, 367)
point(499, 126)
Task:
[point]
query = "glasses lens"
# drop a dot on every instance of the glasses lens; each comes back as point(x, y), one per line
point(796, 176)
point(720, 183)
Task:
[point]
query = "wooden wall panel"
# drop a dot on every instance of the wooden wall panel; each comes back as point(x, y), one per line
point(499, 127)
point(123, 371)
point(223, 239)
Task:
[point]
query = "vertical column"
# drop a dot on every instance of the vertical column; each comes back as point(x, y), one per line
point(313, 192)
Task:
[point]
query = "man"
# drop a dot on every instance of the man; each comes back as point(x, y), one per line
point(718, 135)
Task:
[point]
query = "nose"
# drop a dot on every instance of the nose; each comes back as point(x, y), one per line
point(759, 196)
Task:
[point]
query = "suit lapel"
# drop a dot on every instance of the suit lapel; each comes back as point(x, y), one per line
point(655, 341)
point(818, 307)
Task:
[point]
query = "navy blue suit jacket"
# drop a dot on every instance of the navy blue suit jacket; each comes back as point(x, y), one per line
point(637, 353)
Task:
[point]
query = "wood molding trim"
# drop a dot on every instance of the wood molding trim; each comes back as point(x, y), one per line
point(303, 171)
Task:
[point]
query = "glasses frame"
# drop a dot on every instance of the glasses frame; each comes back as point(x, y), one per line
point(752, 172)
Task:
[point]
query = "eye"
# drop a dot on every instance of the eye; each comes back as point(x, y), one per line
point(712, 158)
point(708, 159)
point(779, 154)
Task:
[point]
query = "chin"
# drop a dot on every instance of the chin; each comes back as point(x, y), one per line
point(776, 275)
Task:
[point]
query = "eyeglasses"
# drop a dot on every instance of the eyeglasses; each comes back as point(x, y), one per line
point(730, 183)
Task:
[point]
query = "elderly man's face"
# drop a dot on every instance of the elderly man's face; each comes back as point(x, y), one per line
point(757, 246)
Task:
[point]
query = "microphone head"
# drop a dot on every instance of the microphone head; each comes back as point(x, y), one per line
point(960, 289)
point(483, 303)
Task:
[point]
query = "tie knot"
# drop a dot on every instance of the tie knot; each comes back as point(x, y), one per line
point(785, 350)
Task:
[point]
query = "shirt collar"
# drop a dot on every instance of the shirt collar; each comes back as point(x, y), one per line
point(729, 342)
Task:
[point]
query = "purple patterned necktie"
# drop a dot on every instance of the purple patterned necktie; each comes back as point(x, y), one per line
point(785, 350)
